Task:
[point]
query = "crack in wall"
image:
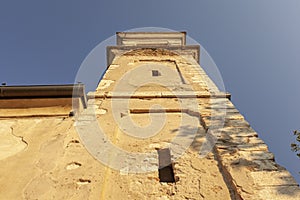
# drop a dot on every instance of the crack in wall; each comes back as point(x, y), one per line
point(17, 136)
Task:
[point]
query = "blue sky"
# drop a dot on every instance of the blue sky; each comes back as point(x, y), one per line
point(255, 45)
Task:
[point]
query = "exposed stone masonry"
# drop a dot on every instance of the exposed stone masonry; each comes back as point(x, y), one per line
point(43, 156)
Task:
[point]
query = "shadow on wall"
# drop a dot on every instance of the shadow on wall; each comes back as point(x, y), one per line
point(248, 168)
point(251, 168)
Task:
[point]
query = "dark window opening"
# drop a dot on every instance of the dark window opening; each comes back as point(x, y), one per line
point(156, 73)
point(165, 169)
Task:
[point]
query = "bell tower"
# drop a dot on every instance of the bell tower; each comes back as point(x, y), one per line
point(156, 127)
point(167, 131)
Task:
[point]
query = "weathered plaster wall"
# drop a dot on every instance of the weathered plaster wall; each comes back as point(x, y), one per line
point(43, 157)
point(240, 160)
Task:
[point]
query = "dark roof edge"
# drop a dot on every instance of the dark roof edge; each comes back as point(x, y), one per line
point(44, 91)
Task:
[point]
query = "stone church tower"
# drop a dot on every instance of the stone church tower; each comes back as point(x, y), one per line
point(156, 127)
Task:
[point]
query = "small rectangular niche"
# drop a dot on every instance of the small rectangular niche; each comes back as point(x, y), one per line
point(156, 73)
point(165, 169)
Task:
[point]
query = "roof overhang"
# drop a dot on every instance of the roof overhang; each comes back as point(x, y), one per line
point(68, 91)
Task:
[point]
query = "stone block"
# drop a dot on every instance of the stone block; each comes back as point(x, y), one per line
point(256, 155)
point(252, 147)
point(236, 123)
point(273, 178)
point(279, 193)
point(266, 165)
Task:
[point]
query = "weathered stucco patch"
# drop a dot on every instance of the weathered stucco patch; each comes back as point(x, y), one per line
point(10, 143)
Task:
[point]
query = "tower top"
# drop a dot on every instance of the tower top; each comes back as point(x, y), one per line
point(151, 38)
point(171, 41)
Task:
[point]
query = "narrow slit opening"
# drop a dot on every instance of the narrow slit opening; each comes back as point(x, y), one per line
point(165, 167)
